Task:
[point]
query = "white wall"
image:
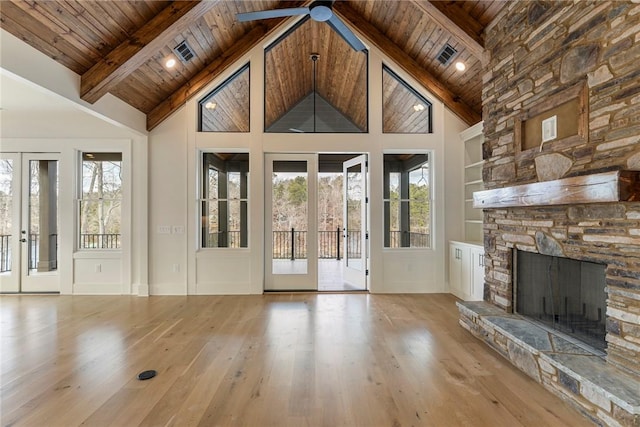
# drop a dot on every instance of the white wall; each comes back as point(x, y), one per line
point(57, 125)
point(163, 257)
point(241, 271)
point(168, 206)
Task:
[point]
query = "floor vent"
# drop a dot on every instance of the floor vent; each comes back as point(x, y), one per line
point(446, 54)
point(184, 51)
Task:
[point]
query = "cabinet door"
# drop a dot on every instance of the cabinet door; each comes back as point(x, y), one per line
point(455, 270)
point(477, 274)
point(467, 271)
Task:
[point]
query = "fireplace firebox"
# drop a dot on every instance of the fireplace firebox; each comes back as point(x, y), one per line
point(564, 294)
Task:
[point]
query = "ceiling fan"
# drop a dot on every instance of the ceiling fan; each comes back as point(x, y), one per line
point(319, 11)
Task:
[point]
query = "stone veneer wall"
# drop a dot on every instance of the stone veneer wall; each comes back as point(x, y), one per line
point(536, 49)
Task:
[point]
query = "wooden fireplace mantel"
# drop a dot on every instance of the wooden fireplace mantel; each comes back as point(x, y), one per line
point(615, 186)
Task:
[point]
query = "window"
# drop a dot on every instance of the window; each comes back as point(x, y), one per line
point(314, 82)
point(224, 201)
point(407, 196)
point(404, 110)
point(101, 201)
point(226, 108)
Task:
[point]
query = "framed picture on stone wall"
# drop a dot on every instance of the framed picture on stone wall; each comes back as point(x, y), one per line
point(570, 107)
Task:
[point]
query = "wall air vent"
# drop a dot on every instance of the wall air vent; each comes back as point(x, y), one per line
point(446, 54)
point(184, 52)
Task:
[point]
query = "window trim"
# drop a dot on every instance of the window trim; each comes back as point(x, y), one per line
point(430, 199)
point(200, 199)
point(80, 199)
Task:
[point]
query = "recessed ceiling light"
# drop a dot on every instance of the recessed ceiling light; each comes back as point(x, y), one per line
point(418, 107)
point(460, 66)
point(210, 105)
point(171, 62)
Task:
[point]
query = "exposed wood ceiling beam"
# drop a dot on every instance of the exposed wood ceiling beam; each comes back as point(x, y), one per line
point(453, 102)
point(460, 25)
point(142, 45)
point(213, 70)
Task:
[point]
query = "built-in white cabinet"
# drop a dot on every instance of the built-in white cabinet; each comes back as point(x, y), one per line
point(466, 270)
point(466, 257)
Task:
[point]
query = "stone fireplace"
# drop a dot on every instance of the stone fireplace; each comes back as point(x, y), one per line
point(604, 387)
point(539, 54)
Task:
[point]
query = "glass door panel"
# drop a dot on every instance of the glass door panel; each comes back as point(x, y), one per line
point(40, 223)
point(291, 222)
point(29, 229)
point(9, 222)
point(355, 220)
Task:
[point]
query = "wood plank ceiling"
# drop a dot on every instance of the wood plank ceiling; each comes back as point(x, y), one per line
point(120, 47)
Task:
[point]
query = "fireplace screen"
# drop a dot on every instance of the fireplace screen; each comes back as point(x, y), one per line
point(565, 294)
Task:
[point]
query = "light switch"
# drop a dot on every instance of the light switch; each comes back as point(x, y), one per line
point(550, 128)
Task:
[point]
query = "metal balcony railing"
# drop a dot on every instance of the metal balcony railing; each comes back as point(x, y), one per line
point(99, 241)
point(5, 253)
point(87, 241)
point(290, 244)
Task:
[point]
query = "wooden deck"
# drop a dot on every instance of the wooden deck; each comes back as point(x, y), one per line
point(272, 360)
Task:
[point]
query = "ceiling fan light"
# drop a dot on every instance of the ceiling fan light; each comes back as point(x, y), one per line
point(460, 66)
point(170, 63)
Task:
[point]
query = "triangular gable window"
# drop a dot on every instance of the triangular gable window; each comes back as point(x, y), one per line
point(226, 108)
point(404, 110)
point(315, 82)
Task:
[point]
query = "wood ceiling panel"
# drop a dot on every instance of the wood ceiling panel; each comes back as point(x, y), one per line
point(60, 18)
point(75, 33)
point(342, 76)
point(422, 40)
point(286, 85)
point(27, 26)
point(80, 34)
point(209, 37)
point(482, 11)
point(341, 73)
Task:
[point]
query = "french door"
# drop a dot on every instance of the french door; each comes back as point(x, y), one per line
point(29, 222)
point(356, 236)
point(291, 225)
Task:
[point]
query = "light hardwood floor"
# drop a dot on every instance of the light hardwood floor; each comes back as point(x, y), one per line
point(272, 360)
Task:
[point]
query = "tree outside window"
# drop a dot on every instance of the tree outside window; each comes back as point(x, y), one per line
point(101, 201)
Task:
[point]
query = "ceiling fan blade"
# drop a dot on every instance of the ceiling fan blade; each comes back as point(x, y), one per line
point(275, 13)
point(346, 33)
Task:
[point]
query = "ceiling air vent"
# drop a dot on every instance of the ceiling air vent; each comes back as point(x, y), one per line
point(446, 54)
point(184, 51)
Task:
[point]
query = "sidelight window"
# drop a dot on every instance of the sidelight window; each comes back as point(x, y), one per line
point(407, 201)
point(224, 200)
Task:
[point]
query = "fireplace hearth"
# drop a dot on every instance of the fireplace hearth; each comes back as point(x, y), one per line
point(564, 294)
